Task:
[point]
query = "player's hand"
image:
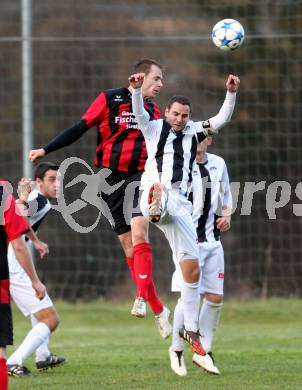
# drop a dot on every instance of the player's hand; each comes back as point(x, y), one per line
point(232, 83)
point(39, 288)
point(136, 80)
point(25, 187)
point(223, 223)
point(42, 248)
point(35, 154)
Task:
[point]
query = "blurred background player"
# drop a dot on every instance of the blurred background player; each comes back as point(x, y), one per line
point(212, 207)
point(12, 226)
point(44, 317)
point(172, 145)
point(121, 148)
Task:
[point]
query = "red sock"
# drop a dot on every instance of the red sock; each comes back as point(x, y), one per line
point(3, 374)
point(154, 302)
point(143, 268)
point(130, 262)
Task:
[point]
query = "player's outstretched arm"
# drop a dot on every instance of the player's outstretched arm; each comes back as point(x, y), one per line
point(65, 138)
point(225, 113)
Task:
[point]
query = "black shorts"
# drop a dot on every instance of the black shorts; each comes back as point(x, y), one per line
point(6, 325)
point(123, 203)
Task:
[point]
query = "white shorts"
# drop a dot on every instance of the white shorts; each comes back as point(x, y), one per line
point(24, 295)
point(176, 223)
point(211, 259)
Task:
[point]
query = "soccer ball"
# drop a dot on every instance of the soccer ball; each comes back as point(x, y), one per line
point(228, 34)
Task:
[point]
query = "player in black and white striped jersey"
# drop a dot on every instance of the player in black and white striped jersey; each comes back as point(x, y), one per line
point(212, 207)
point(171, 146)
point(44, 318)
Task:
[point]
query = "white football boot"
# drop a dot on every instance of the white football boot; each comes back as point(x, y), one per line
point(139, 308)
point(206, 362)
point(177, 362)
point(162, 322)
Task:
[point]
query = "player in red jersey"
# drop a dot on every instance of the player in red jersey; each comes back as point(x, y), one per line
point(121, 148)
point(12, 226)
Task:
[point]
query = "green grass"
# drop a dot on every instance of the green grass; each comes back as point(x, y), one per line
point(258, 346)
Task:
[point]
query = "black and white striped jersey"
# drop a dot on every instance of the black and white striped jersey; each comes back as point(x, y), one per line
point(210, 192)
point(38, 208)
point(171, 154)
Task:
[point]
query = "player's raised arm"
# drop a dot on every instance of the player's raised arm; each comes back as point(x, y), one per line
point(142, 116)
point(225, 113)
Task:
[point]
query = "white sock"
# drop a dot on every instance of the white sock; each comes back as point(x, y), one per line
point(42, 352)
point(190, 303)
point(35, 337)
point(178, 323)
point(208, 322)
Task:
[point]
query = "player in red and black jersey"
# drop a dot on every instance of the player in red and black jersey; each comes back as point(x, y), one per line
point(12, 226)
point(121, 148)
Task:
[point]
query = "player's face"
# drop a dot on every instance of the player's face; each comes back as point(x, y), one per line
point(49, 184)
point(178, 115)
point(153, 82)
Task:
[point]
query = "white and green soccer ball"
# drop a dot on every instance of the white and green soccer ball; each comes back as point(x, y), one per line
point(228, 34)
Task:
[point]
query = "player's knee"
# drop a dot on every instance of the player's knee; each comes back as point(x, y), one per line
point(191, 271)
point(2, 352)
point(50, 318)
point(214, 298)
point(126, 243)
point(195, 273)
point(139, 228)
point(53, 321)
point(139, 238)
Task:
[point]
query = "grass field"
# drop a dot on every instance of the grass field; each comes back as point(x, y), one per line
point(258, 346)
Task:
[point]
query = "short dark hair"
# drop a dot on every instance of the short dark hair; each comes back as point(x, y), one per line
point(144, 66)
point(180, 99)
point(43, 167)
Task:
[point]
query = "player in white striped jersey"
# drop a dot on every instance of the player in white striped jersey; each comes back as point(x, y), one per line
point(43, 315)
point(212, 206)
point(171, 146)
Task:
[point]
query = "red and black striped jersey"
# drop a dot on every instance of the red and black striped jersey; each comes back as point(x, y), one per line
point(12, 226)
point(120, 144)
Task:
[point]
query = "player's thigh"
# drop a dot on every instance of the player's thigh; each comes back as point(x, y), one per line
point(123, 202)
point(212, 270)
point(181, 235)
point(25, 298)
